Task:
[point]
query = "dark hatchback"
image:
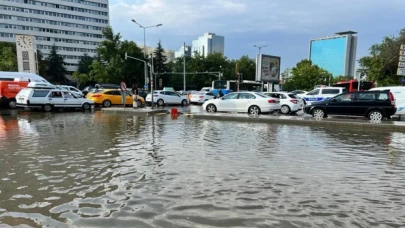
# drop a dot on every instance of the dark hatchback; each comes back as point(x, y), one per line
point(376, 105)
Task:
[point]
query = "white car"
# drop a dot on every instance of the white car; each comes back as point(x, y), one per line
point(47, 97)
point(201, 97)
point(290, 102)
point(251, 102)
point(73, 90)
point(206, 89)
point(161, 98)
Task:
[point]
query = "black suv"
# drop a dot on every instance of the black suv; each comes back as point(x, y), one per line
point(375, 105)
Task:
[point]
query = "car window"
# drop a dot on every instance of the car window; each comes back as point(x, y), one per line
point(230, 96)
point(56, 94)
point(382, 97)
point(40, 93)
point(116, 93)
point(365, 97)
point(330, 91)
point(67, 95)
point(74, 89)
point(344, 97)
point(282, 96)
point(314, 92)
point(261, 95)
point(246, 96)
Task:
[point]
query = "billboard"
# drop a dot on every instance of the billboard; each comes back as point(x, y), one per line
point(330, 54)
point(268, 68)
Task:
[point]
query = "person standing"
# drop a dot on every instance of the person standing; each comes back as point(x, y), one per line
point(134, 91)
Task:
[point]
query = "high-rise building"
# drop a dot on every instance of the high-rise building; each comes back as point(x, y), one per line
point(74, 26)
point(209, 43)
point(336, 54)
point(184, 50)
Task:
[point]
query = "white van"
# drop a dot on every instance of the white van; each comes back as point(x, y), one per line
point(399, 95)
point(47, 97)
point(322, 94)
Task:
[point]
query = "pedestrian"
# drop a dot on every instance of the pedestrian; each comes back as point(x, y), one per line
point(134, 91)
point(220, 94)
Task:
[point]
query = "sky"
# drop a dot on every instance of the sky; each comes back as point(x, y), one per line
point(285, 26)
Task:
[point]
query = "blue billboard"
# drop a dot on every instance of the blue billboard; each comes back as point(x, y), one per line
point(330, 54)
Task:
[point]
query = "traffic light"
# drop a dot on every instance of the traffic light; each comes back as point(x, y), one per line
point(240, 77)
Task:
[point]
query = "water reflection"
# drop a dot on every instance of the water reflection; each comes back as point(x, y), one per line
point(98, 170)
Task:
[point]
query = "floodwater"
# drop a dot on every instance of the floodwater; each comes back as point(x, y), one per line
point(102, 170)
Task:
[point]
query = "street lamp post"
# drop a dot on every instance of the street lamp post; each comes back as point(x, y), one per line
point(144, 44)
point(260, 47)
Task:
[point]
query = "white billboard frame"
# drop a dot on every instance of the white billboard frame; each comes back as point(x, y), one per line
point(265, 72)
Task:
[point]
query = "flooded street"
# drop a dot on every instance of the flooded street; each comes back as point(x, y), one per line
point(105, 170)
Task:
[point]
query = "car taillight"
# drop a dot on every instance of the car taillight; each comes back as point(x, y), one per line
point(155, 95)
point(392, 99)
point(271, 101)
point(200, 96)
point(97, 95)
point(294, 101)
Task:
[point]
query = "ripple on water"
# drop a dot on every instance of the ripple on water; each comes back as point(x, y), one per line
point(98, 170)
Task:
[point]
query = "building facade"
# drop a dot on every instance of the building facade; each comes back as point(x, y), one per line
point(209, 43)
point(74, 26)
point(184, 50)
point(336, 54)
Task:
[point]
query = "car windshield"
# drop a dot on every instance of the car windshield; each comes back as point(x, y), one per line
point(293, 95)
point(261, 95)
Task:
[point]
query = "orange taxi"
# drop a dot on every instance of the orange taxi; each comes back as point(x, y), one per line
point(109, 97)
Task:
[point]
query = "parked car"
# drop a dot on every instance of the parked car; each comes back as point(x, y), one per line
point(161, 97)
point(72, 89)
point(290, 103)
point(201, 97)
point(8, 92)
point(322, 94)
point(206, 89)
point(251, 102)
point(90, 89)
point(109, 97)
point(375, 105)
point(47, 97)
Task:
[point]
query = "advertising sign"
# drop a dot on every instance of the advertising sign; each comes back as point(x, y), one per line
point(268, 68)
point(401, 63)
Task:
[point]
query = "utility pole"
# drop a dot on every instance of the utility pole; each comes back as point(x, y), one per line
point(237, 75)
point(184, 67)
point(151, 78)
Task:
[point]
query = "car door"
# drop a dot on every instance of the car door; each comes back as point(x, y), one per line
point(116, 97)
point(340, 105)
point(173, 97)
point(209, 96)
point(228, 103)
point(56, 99)
point(312, 96)
point(70, 100)
point(361, 103)
point(244, 101)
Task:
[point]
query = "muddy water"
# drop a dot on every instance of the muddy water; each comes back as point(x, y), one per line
point(99, 170)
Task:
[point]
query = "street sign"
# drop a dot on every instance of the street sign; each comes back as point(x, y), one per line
point(402, 58)
point(402, 53)
point(123, 86)
point(401, 64)
point(401, 71)
point(402, 47)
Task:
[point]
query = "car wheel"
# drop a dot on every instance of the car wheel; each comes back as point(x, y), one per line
point(375, 115)
point(47, 107)
point(86, 106)
point(12, 104)
point(317, 112)
point(285, 109)
point(211, 108)
point(139, 103)
point(184, 102)
point(160, 102)
point(106, 103)
point(254, 110)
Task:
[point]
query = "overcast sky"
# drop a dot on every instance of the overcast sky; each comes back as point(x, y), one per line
point(286, 26)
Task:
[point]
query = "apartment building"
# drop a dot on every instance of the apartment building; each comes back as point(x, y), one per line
point(74, 26)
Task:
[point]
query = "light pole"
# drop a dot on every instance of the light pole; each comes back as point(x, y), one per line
point(260, 47)
point(144, 44)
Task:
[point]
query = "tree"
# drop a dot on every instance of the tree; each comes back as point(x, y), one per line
point(286, 74)
point(382, 63)
point(8, 57)
point(85, 64)
point(159, 63)
point(341, 78)
point(305, 76)
point(247, 67)
point(56, 70)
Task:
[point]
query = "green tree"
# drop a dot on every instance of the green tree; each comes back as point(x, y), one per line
point(305, 76)
point(247, 67)
point(341, 78)
point(84, 65)
point(382, 63)
point(56, 70)
point(8, 57)
point(159, 64)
